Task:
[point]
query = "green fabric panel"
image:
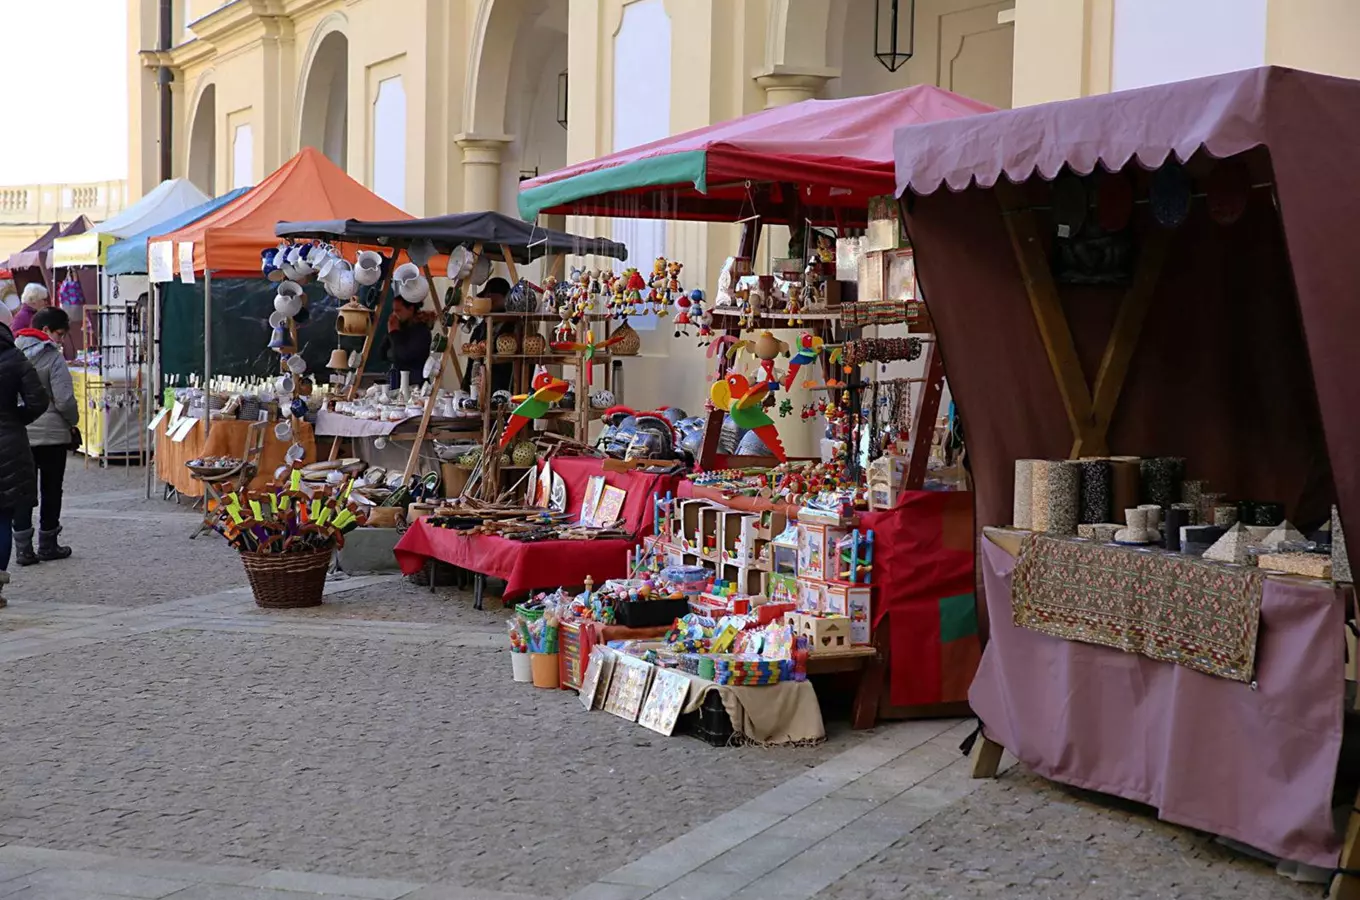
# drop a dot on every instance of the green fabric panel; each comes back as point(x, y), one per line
point(958, 617)
point(241, 332)
point(673, 168)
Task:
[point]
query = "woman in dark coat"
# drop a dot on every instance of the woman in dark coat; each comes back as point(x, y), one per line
point(22, 400)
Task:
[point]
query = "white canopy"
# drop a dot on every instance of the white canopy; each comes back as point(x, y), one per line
point(166, 200)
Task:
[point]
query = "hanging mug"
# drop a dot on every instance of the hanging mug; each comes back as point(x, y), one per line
point(368, 267)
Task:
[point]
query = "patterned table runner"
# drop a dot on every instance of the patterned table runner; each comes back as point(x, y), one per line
point(1165, 606)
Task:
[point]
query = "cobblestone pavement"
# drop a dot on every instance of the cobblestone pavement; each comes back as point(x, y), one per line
point(162, 737)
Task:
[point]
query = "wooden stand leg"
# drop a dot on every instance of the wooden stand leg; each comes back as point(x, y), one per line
point(986, 757)
point(864, 713)
point(1346, 886)
point(478, 588)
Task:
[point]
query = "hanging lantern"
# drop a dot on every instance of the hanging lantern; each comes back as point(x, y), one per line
point(894, 32)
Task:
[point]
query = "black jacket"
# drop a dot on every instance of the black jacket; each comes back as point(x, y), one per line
point(22, 400)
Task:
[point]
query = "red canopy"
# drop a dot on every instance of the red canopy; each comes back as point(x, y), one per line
point(838, 153)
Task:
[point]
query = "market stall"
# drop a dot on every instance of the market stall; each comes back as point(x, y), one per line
point(861, 352)
point(110, 374)
point(1161, 272)
point(251, 326)
point(33, 265)
point(530, 566)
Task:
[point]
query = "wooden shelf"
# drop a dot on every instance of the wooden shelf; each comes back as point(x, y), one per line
point(787, 317)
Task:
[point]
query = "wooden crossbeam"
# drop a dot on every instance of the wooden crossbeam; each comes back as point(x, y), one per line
point(1089, 411)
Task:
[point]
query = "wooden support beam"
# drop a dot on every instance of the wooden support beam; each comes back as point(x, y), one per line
point(924, 416)
point(1023, 228)
point(986, 757)
point(1089, 411)
point(1128, 327)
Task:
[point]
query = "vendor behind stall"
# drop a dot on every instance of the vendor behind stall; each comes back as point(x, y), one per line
point(496, 290)
point(408, 342)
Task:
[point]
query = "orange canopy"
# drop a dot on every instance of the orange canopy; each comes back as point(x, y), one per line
point(308, 186)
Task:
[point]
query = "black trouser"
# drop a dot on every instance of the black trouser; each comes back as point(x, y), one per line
point(51, 463)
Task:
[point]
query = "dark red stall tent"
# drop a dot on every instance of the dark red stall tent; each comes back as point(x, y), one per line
point(837, 152)
point(1232, 345)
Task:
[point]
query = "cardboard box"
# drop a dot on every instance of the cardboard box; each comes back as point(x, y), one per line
point(783, 588)
point(811, 551)
point(811, 595)
point(739, 531)
point(852, 601)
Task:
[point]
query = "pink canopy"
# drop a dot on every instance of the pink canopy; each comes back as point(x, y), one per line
point(837, 153)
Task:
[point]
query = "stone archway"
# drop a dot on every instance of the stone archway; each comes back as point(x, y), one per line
point(201, 164)
point(509, 108)
point(323, 121)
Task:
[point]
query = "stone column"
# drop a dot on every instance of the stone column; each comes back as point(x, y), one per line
point(784, 88)
point(481, 172)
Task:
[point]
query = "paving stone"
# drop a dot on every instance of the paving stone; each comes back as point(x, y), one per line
point(367, 888)
point(101, 882)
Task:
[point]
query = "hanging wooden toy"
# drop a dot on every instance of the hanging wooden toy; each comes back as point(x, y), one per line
point(590, 348)
point(743, 401)
point(766, 348)
point(809, 348)
point(548, 390)
point(682, 320)
point(701, 316)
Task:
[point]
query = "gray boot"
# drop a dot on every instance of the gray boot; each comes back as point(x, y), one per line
point(48, 548)
point(4, 580)
point(23, 548)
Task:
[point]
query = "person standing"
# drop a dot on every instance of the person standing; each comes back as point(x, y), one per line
point(22, 400)
point(51, 436)
point(408, 342)
point(34, 298)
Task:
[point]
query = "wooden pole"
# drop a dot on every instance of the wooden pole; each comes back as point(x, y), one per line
point(434, 393)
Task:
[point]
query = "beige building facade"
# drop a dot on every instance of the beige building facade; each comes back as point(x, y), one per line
point(27, 210)
point(445, 105)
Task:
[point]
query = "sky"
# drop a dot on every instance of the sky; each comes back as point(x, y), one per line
point(73, 58)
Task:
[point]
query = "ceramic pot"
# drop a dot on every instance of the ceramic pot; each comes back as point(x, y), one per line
point(353, 319)
point(1137, 532)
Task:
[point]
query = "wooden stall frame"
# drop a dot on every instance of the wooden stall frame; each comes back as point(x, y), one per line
point(1089, 411)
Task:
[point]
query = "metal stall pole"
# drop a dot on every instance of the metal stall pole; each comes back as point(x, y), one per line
point(207, 351)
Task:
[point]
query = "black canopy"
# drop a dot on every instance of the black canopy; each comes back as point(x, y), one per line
point(526, 242)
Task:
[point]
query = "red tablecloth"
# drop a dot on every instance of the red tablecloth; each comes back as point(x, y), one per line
point(544, 564)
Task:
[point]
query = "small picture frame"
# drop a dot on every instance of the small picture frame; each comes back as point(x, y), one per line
point(595, 681)
point(664, 701)
point(628, 687)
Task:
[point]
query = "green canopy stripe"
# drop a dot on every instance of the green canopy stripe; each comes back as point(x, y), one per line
point(673, 168)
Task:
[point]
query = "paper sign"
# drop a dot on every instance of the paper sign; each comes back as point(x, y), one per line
point(159, 417)
point(181, 431)
point(160, 259)
point(186, 262)
point(176, 413)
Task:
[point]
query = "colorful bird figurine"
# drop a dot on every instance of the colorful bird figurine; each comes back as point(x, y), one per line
point(809, 348)
point(743, 400)
point(589, 348)
point(547, 391)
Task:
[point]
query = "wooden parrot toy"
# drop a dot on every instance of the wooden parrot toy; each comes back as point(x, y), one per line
point(809, 348)
point(743, 401)
point(547, 391)
point(589, 348)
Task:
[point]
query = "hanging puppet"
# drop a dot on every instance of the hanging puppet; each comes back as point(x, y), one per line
point(590, 348)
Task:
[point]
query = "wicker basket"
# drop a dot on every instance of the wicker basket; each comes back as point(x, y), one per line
point(287, 580)
point(629, 341)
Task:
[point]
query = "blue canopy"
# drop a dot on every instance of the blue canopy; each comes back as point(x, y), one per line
point(128, 256)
